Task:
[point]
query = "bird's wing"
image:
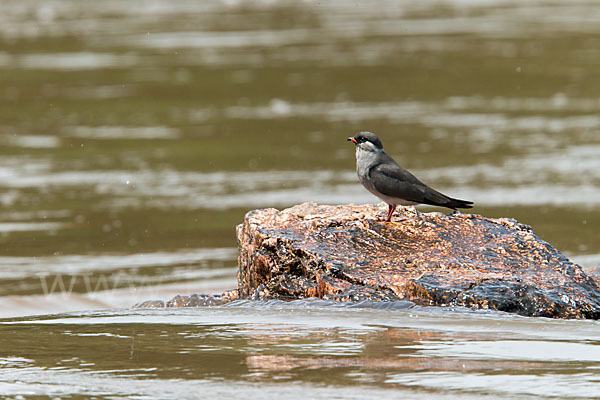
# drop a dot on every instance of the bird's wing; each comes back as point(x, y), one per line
point(392, 180)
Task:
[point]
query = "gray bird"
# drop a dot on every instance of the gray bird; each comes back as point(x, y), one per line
point(383, 177)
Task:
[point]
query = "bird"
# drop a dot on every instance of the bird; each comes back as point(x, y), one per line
point(386, 179)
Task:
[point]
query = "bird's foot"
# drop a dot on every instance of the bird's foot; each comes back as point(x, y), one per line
point(407, 213)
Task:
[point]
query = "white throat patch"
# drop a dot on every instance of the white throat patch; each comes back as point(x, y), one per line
point(368, 146)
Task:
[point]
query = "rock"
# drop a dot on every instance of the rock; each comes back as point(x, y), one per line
point(194, 300)
point(348, 253)
point(203, 300)
point(594, 273)
point(150, 304)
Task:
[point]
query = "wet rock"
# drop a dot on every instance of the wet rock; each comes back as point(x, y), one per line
point(348, 253)
point(150, 304)
point(194, 300)
point(201, 300)
point(594, 273)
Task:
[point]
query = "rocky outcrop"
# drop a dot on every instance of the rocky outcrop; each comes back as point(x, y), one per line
point(348, 253)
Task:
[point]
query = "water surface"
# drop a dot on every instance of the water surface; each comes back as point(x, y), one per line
point(329, 350)
point(135, 135)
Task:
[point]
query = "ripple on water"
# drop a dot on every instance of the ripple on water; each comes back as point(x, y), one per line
point(21, 267)
point(31, 141)
point(549, 179)
point(69, 61)
point(121, 132)
point(6, 227)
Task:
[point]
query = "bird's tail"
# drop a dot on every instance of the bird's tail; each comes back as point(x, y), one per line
point(456, 203)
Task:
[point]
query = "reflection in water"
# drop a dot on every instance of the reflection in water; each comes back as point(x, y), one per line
point(314, 343)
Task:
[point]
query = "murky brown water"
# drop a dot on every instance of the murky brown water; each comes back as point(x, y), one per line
point(134, 135)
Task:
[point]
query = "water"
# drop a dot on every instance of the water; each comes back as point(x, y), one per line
point(264, 349)
point(135, 135)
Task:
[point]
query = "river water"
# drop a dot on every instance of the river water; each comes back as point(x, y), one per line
point(135, 135)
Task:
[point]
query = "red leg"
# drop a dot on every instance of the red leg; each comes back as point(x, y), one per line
point(392, 208)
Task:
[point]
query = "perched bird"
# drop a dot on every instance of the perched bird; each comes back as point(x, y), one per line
point(383, 177)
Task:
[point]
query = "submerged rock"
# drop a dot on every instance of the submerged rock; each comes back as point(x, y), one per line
point(348, 253)
point(194, 300)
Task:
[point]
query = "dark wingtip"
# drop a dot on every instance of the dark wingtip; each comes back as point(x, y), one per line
point(456, 203)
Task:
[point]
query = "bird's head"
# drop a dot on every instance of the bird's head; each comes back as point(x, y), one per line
point(367, 141)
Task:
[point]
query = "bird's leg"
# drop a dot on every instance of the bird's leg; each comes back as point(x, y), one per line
point(391, 210)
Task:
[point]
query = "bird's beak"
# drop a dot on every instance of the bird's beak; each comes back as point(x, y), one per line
point(351, 139)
